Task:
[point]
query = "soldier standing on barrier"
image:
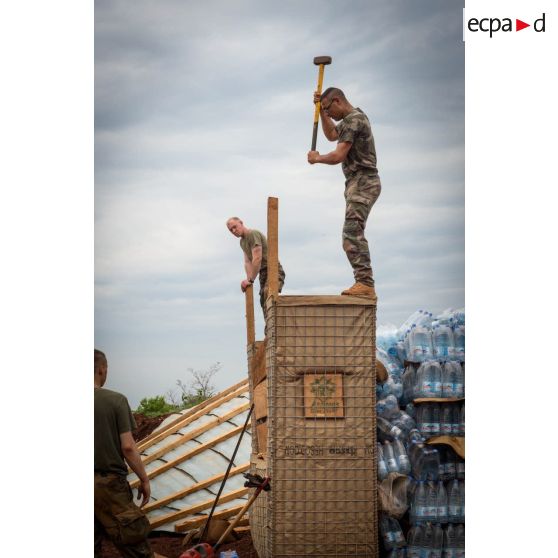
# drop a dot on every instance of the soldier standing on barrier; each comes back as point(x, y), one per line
point(116, 515)
point(254, 246)
point(357, 153)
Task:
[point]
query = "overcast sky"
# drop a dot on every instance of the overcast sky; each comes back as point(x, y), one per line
point(204, 109)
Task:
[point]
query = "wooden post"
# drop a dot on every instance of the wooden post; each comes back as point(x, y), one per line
point(250, 327)
point(273, 246)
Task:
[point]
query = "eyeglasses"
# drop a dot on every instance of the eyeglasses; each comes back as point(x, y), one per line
point(330, 103)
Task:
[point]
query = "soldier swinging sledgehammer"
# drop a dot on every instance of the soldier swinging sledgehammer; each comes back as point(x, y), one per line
point(356, 152)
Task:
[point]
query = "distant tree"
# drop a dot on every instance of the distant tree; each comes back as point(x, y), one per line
point(172, 398)
point(155, 406)
point(197, 390)
point(200, 387)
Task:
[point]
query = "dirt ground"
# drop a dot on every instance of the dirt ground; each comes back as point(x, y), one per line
point(170, 544)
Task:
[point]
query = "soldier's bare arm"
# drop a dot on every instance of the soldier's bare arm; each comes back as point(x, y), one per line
point(252, 267)
point(334, 157)
point(328, 125)
point(256, 261)
point(248, 268)
point(133, 458)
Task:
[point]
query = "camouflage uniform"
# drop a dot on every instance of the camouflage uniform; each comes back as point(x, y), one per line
point(248, 243)
point(362, 189)
point(119, 518)
point(116, 515)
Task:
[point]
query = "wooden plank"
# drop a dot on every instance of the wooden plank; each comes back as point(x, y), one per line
point(419, 400)
point(199, 521)
point(258, 370)
point(194, 488)
point(261, 436)
point(189, 454)
point(250, 324)
point(381, 372)
point(272, 246)
point(180, 514)
point(260, 400)
point(324, 300)
point(323, 396)
point(457, 443)
point(241, 388)
point(194, 433)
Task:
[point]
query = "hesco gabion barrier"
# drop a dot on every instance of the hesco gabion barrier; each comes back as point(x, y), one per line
point(320, 444)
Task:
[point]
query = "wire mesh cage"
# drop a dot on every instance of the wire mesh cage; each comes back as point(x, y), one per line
point(319, 444)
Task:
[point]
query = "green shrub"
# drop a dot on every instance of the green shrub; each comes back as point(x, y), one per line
point(155, 406)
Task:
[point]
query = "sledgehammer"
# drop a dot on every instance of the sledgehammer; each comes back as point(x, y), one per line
point(320, 61)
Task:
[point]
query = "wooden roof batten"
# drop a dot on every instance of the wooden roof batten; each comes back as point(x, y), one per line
point(193, 414)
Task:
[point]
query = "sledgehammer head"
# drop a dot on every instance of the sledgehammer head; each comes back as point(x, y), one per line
point(322, 60)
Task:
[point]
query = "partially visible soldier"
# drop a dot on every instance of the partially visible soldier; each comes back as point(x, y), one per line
point(254, 246)
point(116, 515)
point(357, 153)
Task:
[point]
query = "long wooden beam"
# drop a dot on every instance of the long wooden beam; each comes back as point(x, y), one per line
point(194, 433)
point(186, 419)
point(190, 524)
point(189, 454)
point(157, 522)
point(194, 488)
point(272, 246)
point(250, 326)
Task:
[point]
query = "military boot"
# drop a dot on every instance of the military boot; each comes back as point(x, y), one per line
point(360, 289)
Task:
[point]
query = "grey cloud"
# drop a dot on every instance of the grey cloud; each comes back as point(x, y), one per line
point(202, 110)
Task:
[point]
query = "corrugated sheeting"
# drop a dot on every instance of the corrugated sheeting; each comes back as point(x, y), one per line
point(187, 456)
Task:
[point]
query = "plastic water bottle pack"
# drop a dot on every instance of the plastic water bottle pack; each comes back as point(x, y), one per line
point(440, 419)
point(443, 343)
point(459, 342)
point(428, 380)
point(453, 380)
point(425, 460)
point(451, 465)
point(386, 430)
point(392, 534)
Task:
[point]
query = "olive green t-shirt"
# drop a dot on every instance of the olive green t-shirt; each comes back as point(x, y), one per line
point(113, 417)
point(355, 128)
point(250, 241)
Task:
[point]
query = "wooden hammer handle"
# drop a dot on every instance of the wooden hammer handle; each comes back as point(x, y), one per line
point(317, 107)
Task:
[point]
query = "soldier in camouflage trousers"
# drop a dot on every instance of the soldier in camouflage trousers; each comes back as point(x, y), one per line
point(357, 153)
point(116, 516)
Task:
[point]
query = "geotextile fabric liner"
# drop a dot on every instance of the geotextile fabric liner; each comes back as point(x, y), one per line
point(321, 445)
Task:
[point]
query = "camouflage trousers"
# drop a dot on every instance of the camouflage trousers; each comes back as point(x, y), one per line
point(361, 192)
point(117, 517)
point(263, 287)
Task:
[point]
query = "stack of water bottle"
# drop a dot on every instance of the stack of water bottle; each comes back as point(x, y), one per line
point(441, 419)
point(437, 512)
point(433, 379)
point(394, 367)
point(435, 505)
point(422, 337)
